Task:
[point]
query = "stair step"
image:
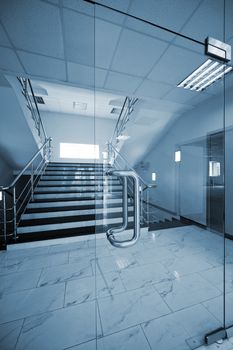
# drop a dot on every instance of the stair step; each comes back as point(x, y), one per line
point(56, 189)
point(69, 225)
point(79, 168)
point(75, 172)
point(77, 164)
point(77, 177)
point(85, 195)
point(59, 204)
point(63, 213)
point(78, 183)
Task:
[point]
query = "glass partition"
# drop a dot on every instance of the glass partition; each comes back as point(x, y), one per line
point(167, 289)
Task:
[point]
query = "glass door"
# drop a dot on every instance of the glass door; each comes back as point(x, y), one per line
point(228, 278)
point(156, 113)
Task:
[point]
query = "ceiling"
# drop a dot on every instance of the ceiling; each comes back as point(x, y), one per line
point(69, 54)
point(60, 98)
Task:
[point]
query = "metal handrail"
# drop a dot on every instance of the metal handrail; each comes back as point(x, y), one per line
point(147, 185)
point(126, 110)
point(13, 213)
point(27, 165)
point(26, 85)
point(136, 231)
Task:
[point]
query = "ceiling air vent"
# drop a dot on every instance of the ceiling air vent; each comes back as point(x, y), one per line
point(39, 100)
point(115, 110)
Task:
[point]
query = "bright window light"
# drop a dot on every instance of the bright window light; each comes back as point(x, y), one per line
point(79, 150)
point(0, 195)
point(153, 176)
point(177, 156)
point(214, 169)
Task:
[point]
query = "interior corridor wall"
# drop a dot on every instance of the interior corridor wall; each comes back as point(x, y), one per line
point(70, 128)
point(193, 126)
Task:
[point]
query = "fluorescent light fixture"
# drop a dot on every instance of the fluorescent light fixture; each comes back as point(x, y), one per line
point(0, 195)
point(177, 156)
point(214, 169)
point(123, 137)
point(153, 176)
point(209, 72)
point(78, 150)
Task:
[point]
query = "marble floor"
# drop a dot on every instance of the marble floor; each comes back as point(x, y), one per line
point(164, 293)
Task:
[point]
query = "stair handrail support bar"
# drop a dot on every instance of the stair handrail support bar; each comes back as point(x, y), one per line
point(20, 199)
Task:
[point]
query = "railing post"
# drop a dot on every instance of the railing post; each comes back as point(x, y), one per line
point(32, 185)
point(4, 215)
point(147, 206)
point(14, 214)
point(141, 207)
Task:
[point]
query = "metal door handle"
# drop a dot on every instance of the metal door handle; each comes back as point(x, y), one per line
point(124, 174)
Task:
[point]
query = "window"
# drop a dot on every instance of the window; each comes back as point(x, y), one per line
point(0, 195)
point(177, 156)
point(79, 150)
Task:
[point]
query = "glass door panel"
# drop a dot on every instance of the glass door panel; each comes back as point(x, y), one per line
point(228, 179)
point(166, 290)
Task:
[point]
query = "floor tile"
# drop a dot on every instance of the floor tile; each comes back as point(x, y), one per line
point(30, 302)
point(40, 261)
point(166, 333)
point(216, 305)
point(85, 289)
point(130, 308)
point(18, 281)
point(141, 276)
point(64, 273)
point(9, 333)
point(129, 339)
point(59, 329)
point(186, 291)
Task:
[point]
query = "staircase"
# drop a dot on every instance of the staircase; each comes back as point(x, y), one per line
point(72, 199)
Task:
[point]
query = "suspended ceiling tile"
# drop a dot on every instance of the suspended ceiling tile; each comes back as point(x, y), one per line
point(228, 19)
point(78, 73)
point(109, 15)
point(79, 5)
point(79, 37)
point(54, 2)
point(168, 13)
point(33, 25)
point(181, 95)
point(175, 65)
point(106, 38)
point(43, 66)
point(100, 76)
point(152, 89)
point(122, 82)
point(208, 20)
point(136, 53)
point(148, 29)
point(9, 60)
point(3, 38)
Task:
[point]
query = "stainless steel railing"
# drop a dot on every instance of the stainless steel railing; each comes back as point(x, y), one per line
point(16, 196)
point(30, 97)
point(124, 116)
point(119, 162)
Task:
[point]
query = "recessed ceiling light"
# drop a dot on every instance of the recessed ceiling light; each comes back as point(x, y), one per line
point(80, 105)
point(205, 75)
point(123, 137)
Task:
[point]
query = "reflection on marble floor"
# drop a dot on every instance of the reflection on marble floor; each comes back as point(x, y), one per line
point(164, 293)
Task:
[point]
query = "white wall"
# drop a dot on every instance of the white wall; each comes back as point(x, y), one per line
point(6, 173)
point(76, 129)
point(193, 125)
point(17, 145)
